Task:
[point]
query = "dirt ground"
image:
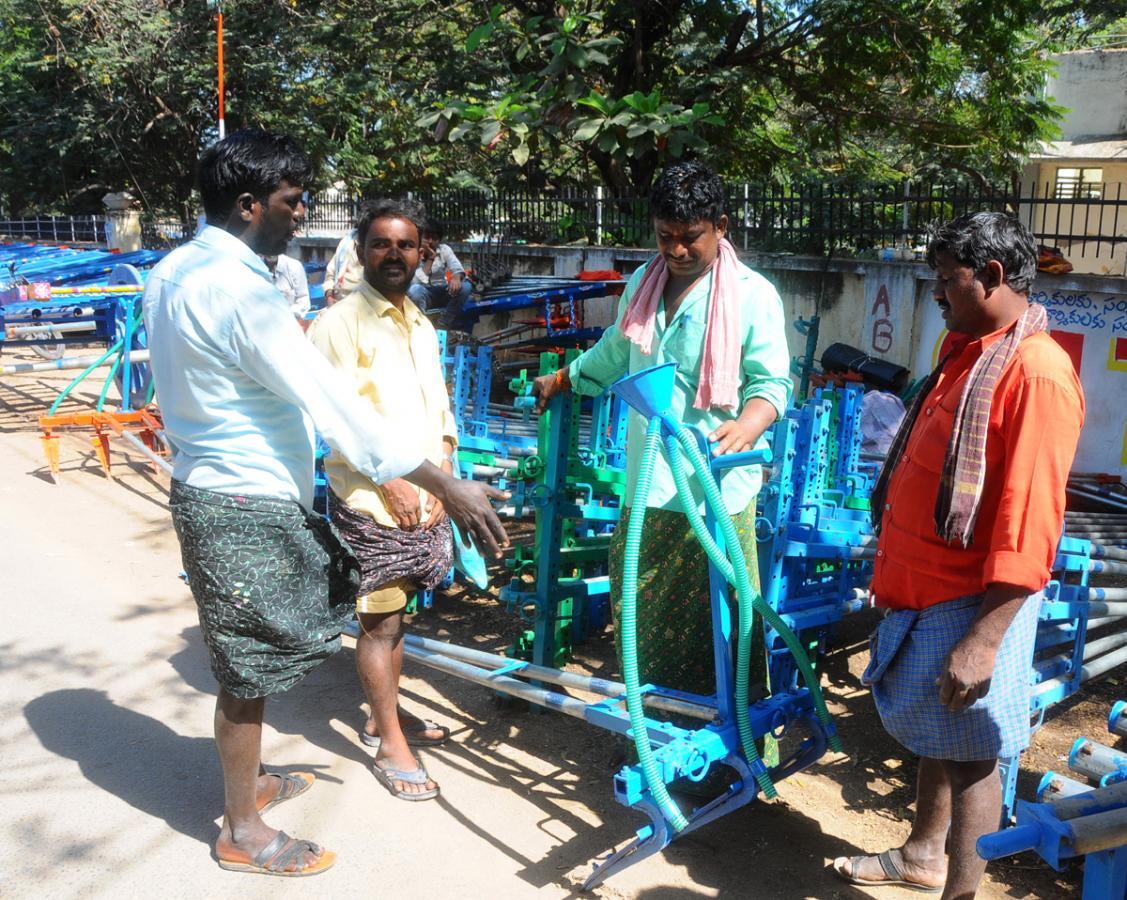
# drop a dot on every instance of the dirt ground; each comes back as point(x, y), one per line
point(111, 786)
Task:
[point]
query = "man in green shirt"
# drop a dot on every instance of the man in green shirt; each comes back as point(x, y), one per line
point(687, 204)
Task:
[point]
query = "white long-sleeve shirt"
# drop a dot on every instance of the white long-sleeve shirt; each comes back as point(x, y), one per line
point(239, 386)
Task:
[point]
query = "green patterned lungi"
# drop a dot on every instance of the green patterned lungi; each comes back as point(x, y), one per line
point(674, 607)
point(274, 585)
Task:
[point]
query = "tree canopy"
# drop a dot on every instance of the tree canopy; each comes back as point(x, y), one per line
point(102, 95)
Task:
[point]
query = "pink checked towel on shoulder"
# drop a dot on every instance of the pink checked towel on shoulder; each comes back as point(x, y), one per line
point(720, 360)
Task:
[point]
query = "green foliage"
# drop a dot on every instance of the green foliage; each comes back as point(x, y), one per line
point(102, 95)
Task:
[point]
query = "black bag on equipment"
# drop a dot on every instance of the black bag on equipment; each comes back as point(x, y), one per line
point(878, 373)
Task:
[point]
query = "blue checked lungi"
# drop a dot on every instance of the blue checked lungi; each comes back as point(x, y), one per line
point(907, 652)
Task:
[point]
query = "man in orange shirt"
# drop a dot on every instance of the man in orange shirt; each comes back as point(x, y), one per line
point(968, 509)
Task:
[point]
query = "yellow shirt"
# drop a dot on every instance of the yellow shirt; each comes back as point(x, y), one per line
point(392, 358)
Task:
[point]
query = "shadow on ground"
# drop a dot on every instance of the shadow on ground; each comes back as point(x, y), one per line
point(134, 757)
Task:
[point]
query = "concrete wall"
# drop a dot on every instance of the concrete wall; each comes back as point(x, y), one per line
point(885, 309)
point(1092, 85)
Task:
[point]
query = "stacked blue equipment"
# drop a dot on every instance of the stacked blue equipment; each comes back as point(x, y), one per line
point(574, 484)
point(1072, 819)
point(814, 530)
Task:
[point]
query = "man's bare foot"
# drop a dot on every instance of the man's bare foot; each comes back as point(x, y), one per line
point(240, 852)
point(891, 867)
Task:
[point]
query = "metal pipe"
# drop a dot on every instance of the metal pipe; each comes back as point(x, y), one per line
point(1102, 551)
point(567, 705)
point(139, 445)
point(1114, 502)
point(1116, 722)
point(14, 332)
point(70, 362)
point(1102, 594)
point(1098, 667)
point(1094, 760)
point(1098, 647)
point(1054, 786)
point(1101, 831)
point(1099, 566)
point(599, 686)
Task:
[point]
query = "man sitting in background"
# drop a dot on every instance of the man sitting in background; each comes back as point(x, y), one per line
point(440, 281)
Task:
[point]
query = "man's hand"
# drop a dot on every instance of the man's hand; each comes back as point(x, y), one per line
point(967, 672)
point(467, 503)
point(968, 668)
point(546, 387)
point(435, 513)
point(330, 298)
point(454, 285)
point(434, 510)
point(402, 501)
point(734, 436)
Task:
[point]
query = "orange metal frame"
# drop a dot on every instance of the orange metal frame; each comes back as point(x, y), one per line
point(144, 423)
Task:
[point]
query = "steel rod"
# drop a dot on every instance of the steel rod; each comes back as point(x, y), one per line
point(599, 686)
point(1107, 568)
point(1101, 831)
point(15, 332)
point(567, 705)
point(70, 362)
point(139, 445)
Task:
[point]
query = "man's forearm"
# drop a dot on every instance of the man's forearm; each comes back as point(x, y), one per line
point(429, 477)
point(757, 416)
point(1001, 603)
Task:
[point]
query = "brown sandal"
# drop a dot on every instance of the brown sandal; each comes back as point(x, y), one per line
point(892, 873)
point(276, 857)
point(293, 785)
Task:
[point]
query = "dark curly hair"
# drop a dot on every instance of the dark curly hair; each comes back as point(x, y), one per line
point(976, 238)
point(688, 192)
point(389, 208)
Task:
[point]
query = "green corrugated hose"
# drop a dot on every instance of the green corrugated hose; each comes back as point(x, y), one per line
point(70, 387)
point(629, 625)
point(745, 624)
point(743, 589)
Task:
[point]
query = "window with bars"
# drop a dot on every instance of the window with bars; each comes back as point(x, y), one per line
point(1079, 184)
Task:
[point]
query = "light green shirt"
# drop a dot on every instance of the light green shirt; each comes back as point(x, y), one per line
point(764, 372)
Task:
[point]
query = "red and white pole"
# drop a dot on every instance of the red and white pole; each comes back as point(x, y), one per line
point(219, 40)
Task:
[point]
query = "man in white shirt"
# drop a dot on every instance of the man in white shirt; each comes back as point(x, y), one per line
point(288, 275)
point(241, 390)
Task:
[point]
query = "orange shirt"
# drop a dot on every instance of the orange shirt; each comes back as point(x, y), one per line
point(1035, 422)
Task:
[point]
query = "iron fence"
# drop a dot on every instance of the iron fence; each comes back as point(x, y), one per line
point(165, 233)
point(56, 229)
point(817, 218)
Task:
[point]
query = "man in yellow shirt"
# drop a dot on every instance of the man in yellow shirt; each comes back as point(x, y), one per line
point(400, 534)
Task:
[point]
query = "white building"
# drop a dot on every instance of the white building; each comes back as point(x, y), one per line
point(1087, 167)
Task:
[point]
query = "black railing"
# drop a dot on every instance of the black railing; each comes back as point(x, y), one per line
point(823, 219)
point(56, 229)
point(820, 219)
